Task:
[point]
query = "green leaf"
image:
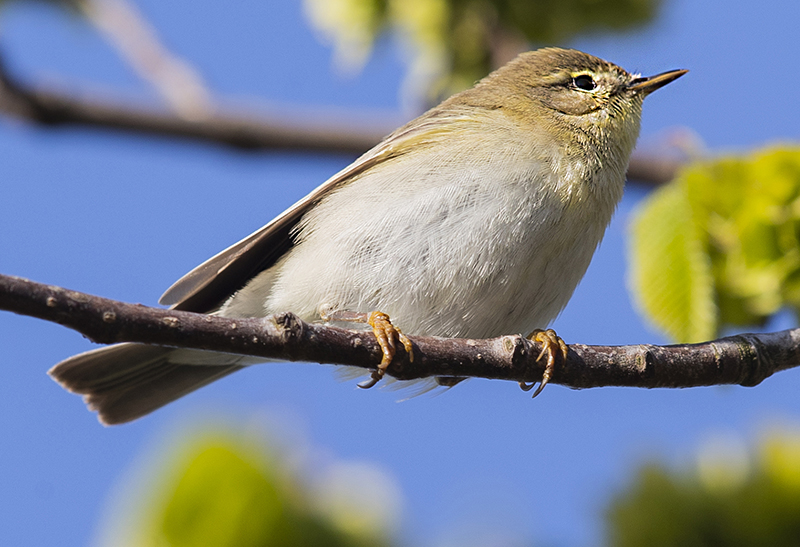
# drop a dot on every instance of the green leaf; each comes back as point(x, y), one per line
point(224, 491)
point(745, 214)
point(670, 268)
point(750, 207)
point(223, 500)
point(728, 208)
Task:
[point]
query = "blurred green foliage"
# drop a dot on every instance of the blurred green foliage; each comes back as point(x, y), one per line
point(720, 245)
point(222, 491)
point(453, 43)
point(456, 42)
point(730, 500)
point(219, 490)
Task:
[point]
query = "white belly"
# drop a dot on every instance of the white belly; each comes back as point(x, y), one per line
point(472, 256)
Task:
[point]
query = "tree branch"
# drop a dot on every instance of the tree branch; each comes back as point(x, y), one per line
point(745, 359)
point(247, 131)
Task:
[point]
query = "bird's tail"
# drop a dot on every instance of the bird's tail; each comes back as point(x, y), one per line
point(126, 381)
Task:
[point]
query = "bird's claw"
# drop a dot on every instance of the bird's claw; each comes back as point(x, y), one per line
point(387, 335)
point(553, 347)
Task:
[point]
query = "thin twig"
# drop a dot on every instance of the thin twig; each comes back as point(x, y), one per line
point(745, 359)
point(241, 130)
point(138, 43)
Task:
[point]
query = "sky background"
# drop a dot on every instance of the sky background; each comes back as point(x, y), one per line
point(123, 216)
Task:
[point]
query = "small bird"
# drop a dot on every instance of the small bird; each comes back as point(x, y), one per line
point(474, 220)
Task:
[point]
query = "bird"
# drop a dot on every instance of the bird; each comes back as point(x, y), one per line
point(474, 220)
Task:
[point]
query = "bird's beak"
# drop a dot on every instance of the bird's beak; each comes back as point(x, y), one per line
point(646, 86)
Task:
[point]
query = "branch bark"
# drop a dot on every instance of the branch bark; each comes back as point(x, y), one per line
point(245, 131)
point(745, 359)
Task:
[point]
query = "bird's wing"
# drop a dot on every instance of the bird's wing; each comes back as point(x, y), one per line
point(212, 282)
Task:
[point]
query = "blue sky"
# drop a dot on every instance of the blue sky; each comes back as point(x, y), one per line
point(123, 216)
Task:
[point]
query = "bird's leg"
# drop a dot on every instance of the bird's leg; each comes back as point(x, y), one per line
point(385, 332)
point(553, 347)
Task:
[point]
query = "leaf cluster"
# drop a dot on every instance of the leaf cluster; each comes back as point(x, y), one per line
point(223, 491)
point(757, 503)
point(720, 245)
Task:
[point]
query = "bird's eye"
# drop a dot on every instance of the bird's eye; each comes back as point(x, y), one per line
point(584, 82)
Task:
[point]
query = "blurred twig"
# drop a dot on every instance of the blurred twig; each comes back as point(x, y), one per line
point(137, 42)
point(653, 170)
point(247, 130)
point(745, 359)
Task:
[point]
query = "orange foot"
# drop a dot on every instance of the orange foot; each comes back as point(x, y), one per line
point(386, 334)
point(554, 348)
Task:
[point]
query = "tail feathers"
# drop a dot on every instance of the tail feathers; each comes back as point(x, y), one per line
point(124, 382)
